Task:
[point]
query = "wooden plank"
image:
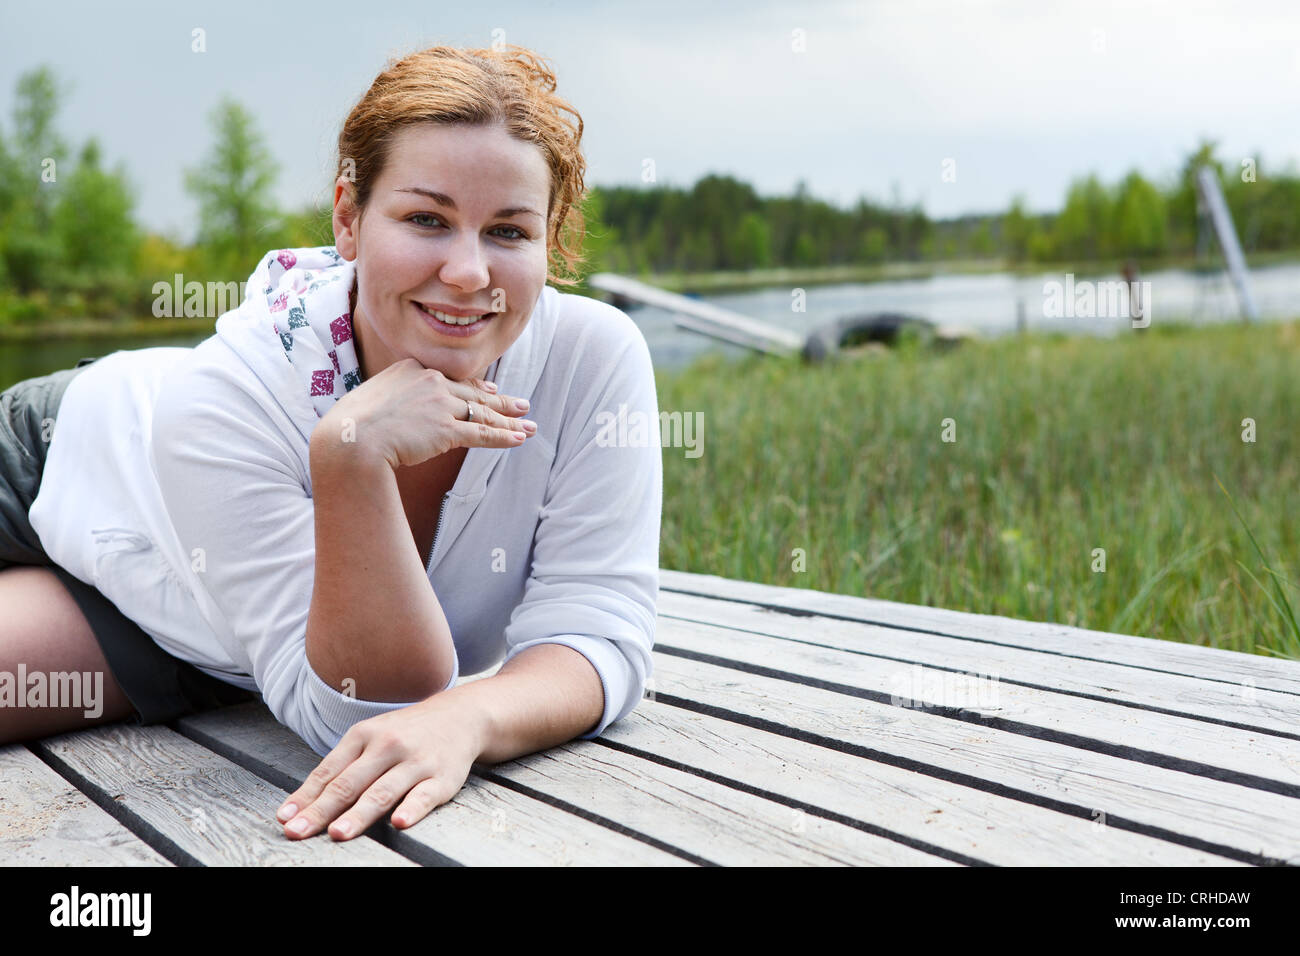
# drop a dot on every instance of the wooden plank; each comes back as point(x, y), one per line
point(1250, 758)
point(485, 824)
point(703, 317)
point(1226, 703)
point(191, 805)
point(1169, 656)
point(924, 811)
point(726, 332)
point(715, 823)
point(45, 821)
point(1252, 826)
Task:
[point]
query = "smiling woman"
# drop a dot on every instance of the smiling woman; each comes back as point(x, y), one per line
point(427, 254)
point(335, 501)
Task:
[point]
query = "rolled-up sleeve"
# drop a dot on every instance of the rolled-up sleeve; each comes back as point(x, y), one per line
point(594, 580)
point(234, 487)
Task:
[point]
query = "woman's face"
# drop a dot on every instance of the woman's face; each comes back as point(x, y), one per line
point(456, 219)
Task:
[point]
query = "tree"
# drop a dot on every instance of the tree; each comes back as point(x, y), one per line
point(237, 219)
point(93, 221)
point(805, 251)
point(1139, 218)
point(751, 245)
point(1016, 231)
point(29, 181)
point(873, 247)
point(1083, 229)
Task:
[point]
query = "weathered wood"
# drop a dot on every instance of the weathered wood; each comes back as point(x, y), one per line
point(485, 824)
point(912, 806)
point(45, 821)
point(714, 822)
point(191, 805)
point(1196, 746)
point(1234, 821)
point(1171, 656)
point(703, 317)
point(770, 738)
point(1260, 709)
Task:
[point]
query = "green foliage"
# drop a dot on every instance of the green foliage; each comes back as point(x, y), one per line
point(93, 221)
point(69, 244)
point(31, 161)
point(68, 240)
point(720, 224)
point(1062, 445)
point(237, 220)
point(1017, 231)
point(1083, 229)
point(1139, 218)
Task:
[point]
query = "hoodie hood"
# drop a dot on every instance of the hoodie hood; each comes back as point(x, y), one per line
point(294, 330)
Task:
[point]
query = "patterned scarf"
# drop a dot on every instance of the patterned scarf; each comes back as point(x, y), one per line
point(307, 304)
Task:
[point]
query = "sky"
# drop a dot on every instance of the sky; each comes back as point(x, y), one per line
point(861, 99)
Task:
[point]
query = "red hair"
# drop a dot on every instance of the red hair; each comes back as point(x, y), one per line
point(511, 87)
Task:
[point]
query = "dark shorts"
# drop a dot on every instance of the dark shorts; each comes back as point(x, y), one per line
point(160, 687)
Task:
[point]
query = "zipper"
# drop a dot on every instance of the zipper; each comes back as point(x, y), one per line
point(437, 534)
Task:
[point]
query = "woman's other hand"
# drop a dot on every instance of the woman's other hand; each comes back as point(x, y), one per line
point(416, 759)
point(408, 414)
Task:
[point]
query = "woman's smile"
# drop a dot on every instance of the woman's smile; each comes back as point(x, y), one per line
point(455, 229)
point(460, 329)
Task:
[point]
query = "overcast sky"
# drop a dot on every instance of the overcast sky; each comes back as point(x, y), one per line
point(1022, 94)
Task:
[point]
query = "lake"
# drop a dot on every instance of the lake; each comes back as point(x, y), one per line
point(984, 304)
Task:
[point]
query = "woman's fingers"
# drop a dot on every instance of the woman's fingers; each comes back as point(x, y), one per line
point(380, 797)
point(475, 390)
point(341, 792)
point(489, 428)
point(481, 434)
point(425, 797)
point(335, 762)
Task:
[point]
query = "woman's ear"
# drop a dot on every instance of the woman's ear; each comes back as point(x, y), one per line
point(346, 220)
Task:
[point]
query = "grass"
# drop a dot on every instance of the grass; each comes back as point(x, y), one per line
point(1063, 445)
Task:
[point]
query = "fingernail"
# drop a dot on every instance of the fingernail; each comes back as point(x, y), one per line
point(528, 425)
point(286, 811)
point(490, 386)
point(299, 826)
point(345, 829)
point(522, 404)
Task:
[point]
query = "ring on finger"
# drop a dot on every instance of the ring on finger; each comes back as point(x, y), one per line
point(470, 411)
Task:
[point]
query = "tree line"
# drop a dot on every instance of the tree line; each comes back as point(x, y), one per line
point(70, 245)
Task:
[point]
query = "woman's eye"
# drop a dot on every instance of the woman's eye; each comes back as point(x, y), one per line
point(518, 233)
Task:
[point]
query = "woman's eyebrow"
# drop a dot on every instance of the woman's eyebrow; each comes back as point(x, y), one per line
point(445, 200)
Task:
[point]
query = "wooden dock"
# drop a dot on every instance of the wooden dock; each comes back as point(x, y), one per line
point(702, 317)
point(783, 726)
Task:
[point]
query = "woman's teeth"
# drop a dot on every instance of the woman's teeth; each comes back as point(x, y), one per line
point(452, 319)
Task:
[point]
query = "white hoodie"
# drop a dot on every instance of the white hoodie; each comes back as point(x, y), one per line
point(178, 483)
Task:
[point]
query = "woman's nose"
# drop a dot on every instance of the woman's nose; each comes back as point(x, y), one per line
point(465, 265)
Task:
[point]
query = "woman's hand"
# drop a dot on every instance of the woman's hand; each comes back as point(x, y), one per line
point(422, 753)
point(408, 414)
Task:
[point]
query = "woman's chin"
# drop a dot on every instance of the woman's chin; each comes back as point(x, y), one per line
point(456, 371)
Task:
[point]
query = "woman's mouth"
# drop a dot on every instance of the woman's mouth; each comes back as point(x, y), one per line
point(451, 324)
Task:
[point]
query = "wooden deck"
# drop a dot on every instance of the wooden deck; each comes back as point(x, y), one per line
point(783, 726)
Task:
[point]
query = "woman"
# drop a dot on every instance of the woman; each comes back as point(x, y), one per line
point(336, 501)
